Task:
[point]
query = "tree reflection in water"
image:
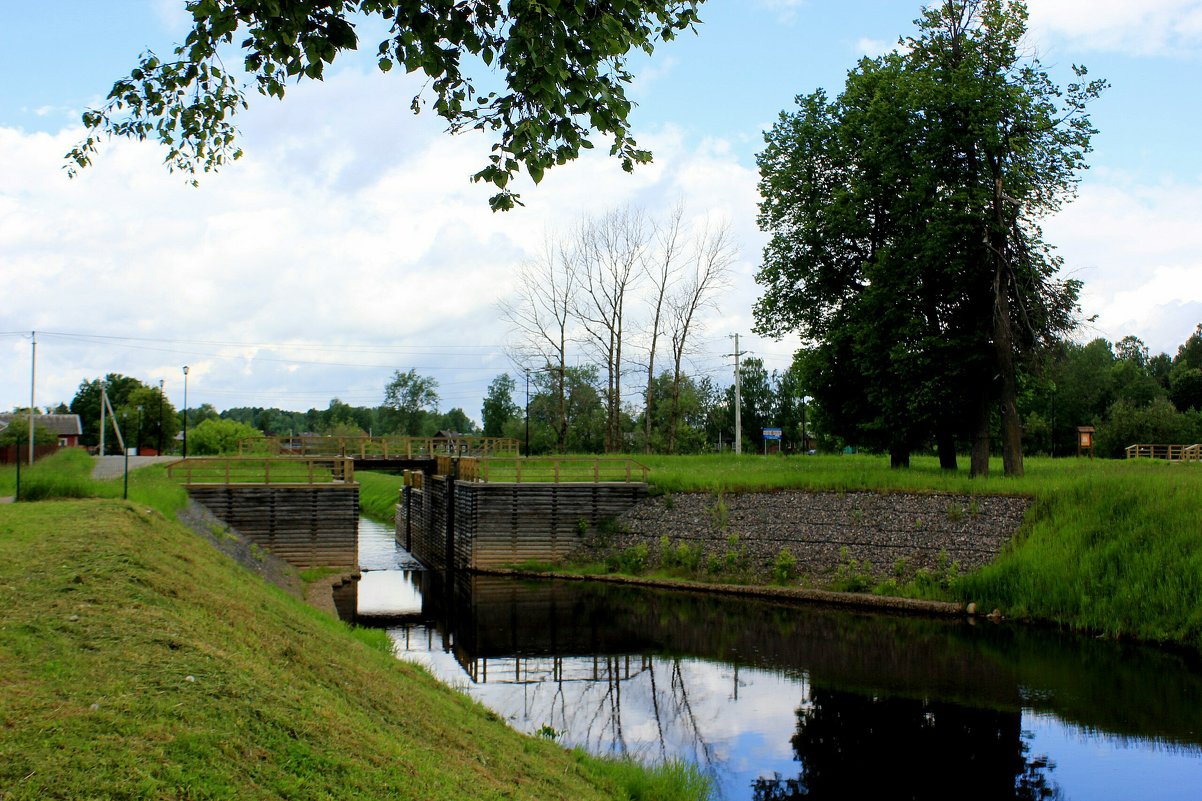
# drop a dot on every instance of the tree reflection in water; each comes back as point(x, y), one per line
point(857, 746)
point(891, 707)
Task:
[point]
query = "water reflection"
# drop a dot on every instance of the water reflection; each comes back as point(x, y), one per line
point(857, 746)
point(786, 702)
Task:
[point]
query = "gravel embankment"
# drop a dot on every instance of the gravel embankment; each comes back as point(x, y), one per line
point(886, 534)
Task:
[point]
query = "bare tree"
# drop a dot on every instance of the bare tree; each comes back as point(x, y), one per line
point(542, 317)
point(661, 269)
point(612, 249)
point(714, 252)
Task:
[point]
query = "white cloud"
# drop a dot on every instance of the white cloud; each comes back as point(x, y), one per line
point(786, 10)
point(874, 47)
point(1147, 27)
point(1138, 250)
point(349, 225)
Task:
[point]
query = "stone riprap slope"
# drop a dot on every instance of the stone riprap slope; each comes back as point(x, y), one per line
point(885, 534)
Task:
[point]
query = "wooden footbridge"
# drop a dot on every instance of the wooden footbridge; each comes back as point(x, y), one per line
point(1169, 453)
point(384, 454)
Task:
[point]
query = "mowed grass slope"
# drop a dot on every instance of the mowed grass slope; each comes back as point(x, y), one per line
point(137, 662)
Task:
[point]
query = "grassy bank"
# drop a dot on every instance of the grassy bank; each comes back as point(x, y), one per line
point(1110, 547)
point(137, 662)
point(68, 474)
point(378, 494)
point(1117, 551)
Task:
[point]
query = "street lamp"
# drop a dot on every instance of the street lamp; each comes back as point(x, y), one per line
point(185, 411)
point(160, 417)
point(527, 451)
point(805, 440)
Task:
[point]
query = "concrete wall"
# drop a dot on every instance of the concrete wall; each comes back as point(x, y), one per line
point(308, 526)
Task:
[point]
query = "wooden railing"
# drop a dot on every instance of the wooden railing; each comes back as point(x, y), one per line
point(559, 470)
point(250, 470)
point(1172, 453)
point(565, 470)
point(396, 447)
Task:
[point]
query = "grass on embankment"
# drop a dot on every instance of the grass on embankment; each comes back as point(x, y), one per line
point(137, 662)
point(1113, 547)
point(378, 495)
point(68, 474)
point(1118, 551)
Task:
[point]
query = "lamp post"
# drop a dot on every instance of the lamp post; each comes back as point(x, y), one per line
point(160, 417)
point(185, 411)
point(805, 440)
point(138, 444)
point(526, 453)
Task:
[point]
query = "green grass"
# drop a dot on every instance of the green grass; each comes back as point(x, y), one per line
point(139, 663)
point(861, 472)
point(68, 474)
point(1116, 552)
point(378, 495)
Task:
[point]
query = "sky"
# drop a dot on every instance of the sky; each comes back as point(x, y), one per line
point(349, 243)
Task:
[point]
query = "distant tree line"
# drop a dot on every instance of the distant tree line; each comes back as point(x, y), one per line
point(699, 419)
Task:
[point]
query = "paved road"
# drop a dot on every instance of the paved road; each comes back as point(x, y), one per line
point(107, 467)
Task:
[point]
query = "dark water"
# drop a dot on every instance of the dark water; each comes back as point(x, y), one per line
point(779, 701)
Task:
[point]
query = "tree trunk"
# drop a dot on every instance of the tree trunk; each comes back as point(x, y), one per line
point(1003, 335)
point(899, 457)
point(1012, 431)
point(980, 445)
point(561, 432)
point(946, 444)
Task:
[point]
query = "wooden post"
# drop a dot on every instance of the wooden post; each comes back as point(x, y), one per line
point(450, 478)
point(408, 495)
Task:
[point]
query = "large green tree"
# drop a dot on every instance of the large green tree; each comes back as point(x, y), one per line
point(905, 243)
point(562, 65)
point(498, 408)
point(86, 403)
point(411, 397)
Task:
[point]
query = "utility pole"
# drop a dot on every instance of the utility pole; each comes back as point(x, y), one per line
point(738, 398)
point(33, 374)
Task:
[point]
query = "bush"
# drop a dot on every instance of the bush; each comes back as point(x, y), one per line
point(218, 437)
point(1158, 423)
point(784, 568)
point(632, 560)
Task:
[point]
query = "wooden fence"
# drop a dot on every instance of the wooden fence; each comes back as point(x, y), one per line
point(379, 447)
point(1171, 453)
point(248, 470)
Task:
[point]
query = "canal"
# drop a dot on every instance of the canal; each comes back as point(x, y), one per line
point(782, 701)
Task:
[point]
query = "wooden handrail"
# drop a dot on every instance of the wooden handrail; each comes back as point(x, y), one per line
point(1171, 453)
point(556, 470)
point(379, 447)
point(238, 470)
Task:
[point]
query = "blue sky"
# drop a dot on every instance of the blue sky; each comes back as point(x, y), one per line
point(348, 243)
